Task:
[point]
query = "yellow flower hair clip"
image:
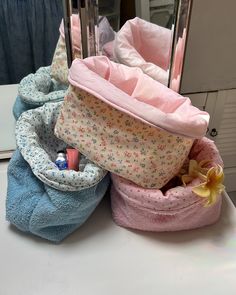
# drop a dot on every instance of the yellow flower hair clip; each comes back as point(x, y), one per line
point(195, 170)
point(212, 180)
point(212, 187)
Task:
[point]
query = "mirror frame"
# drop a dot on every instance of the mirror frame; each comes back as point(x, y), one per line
point(181, 32)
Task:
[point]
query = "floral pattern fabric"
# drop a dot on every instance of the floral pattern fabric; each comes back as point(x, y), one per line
point(59, 67)
point(38, 145)
point(117, 142)
point(39, 88)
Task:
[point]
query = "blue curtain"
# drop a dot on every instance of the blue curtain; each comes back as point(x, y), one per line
point(28, 36)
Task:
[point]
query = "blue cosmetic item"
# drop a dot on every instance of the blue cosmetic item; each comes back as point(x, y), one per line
point(61, 161)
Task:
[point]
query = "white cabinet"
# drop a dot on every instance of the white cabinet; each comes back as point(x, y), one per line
point(198, 99)
point(221, 105)
point(222, 129)
point(156, 11)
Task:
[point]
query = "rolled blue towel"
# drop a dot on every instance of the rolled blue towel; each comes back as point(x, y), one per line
point(36, 208)
point(37, 89)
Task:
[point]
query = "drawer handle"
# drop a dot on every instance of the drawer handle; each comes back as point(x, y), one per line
point(213, 132)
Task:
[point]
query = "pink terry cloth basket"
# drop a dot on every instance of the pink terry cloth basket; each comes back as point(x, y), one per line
point(176, 209)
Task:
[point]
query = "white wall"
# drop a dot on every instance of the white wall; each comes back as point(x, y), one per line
point(8, 95)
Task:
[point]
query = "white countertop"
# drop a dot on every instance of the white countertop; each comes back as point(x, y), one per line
point(104, 259)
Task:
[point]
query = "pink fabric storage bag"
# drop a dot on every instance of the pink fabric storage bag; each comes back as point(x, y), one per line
point(142, 44)
point(176, 209)
point(128, 123)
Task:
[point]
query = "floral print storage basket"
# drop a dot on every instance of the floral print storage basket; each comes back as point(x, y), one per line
point(128, 123)
point(41, 199)
point(37, 89)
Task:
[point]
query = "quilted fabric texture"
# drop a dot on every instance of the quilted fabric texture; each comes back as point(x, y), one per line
point(38, 145)
point(36, 208)
point(37, 89)
point(173, 208)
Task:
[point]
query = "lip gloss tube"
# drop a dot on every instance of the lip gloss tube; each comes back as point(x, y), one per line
point(73, 156)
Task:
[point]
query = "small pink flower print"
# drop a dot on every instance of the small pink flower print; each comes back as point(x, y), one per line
point(68, 98)
point(96, 158)
point(178, 139)
point(127, 123)
point(154, 166)
point(62, 119)
point(69, 139)
point(136, 169)
point(161, 147)
point(109, 124)
point(117, 140)
point(145, 180)
point(128, 154)
point(151, 134)
point(80, 129)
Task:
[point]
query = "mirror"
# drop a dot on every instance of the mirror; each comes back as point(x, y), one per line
point(161, 26)
point(153, 39)
point(179, 44)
